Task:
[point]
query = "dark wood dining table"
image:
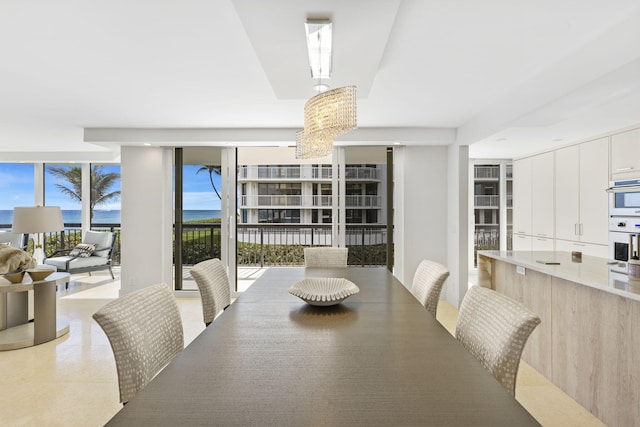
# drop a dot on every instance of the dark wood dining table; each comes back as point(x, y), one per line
point(376, 359)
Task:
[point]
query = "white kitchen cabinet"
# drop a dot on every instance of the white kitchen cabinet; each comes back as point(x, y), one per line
point(625, 155)
point(567, 194)
point(594, 200)
point(522, 197)
point(542, 244)
point(542, 199)
point(581, 204)
point(601, 251)
point(521, 242)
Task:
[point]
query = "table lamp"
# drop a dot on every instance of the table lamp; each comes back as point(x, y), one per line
point(36, 220)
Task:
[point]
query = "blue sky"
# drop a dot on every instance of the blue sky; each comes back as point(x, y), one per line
point(16, 188)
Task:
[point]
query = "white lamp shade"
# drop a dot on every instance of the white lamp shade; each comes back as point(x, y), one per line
point(37, 219)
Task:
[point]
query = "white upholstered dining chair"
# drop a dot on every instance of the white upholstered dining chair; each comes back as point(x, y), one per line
point(495, 328)
point(427, 284)
point(145, 332)
point(327, 257)
point(213, 283)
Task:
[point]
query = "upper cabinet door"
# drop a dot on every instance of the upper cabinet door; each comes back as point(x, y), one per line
point(625, 155)
point(522, 197)
point(542, 200)
point(594, 208)
point(567, 195)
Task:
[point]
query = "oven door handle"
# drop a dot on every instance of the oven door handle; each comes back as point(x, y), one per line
point(628, 189)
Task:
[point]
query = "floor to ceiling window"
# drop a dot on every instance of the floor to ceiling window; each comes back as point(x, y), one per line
point(286, 204)
point(198, 191)
point(17, 189)
point(492, 196)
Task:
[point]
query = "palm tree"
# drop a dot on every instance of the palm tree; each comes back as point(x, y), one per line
point(211, 170)
point(101, 184)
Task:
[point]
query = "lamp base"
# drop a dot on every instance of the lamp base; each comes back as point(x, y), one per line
point(38, 254)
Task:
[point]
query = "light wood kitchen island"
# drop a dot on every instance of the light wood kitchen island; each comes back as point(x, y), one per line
point(588, 343)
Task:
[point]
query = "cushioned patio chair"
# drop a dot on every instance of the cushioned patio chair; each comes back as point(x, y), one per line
point(326, 257)
point(495, 328)
point(427, 284)
point(145, 332)
point(93, 254)
point(15, 240)
point(213, 283)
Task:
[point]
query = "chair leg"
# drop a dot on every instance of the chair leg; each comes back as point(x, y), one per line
point(111, 271)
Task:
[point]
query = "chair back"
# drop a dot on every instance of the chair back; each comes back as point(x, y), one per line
point(495, 328)
point(427, 284)
point(213, 283)
point(103, 241)
point(145, 332)
point(326, 257)
point(15, 240)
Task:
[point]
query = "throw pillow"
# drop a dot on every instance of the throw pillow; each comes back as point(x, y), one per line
point(83, 250)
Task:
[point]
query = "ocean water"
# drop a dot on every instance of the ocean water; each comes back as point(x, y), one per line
point(110, 216)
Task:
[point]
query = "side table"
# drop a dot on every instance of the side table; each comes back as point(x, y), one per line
point(15, 329)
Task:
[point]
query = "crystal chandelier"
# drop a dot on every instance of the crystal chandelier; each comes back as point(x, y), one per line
point(327, 114)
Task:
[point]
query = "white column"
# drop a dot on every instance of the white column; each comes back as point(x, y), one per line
point(86, 198)
point(457, 223)
point(147, 217)
point(503, 206)
point(228, 214)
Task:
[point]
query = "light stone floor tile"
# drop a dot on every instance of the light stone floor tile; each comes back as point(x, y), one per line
point(72, 381)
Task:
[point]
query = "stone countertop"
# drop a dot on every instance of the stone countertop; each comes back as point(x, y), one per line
point(592, 271)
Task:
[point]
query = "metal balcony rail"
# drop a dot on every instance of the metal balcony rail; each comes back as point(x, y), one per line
point(490, 201)
point(283, 244)
point(305, 172)
point(356, 201)
point(257, 244)
point(486, 172)
point(362, 173)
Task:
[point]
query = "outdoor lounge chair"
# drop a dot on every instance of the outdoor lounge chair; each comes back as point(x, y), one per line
point(93, 254)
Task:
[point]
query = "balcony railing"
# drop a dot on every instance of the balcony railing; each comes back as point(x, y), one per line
point(251, 172)
point(283, 244)
point(486, 172)
point(358, 201)
point(490, 201)
point(257, 244)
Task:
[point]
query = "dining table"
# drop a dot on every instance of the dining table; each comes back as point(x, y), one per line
point(378, 358)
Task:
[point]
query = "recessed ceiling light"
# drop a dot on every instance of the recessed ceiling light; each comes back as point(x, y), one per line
point(147, 144)
point(501, 139)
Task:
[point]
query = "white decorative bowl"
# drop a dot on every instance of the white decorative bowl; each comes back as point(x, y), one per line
point(323, 290)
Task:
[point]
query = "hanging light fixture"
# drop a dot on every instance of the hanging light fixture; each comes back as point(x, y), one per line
point(331, 112)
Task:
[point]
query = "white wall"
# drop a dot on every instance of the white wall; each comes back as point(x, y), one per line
point(146, 245)
point(420, 208)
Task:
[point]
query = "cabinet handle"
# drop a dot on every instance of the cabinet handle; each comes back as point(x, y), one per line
point(575, 228)
point(580, 228)
point(624, 169)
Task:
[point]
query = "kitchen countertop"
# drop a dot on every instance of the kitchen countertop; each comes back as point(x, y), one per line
point(594, 272)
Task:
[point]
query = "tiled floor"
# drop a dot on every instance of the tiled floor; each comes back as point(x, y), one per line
point(72, 381)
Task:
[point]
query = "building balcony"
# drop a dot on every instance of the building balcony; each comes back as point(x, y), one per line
point(358, 201)
point(304, 173)
point(486, 173)
point(484, 202)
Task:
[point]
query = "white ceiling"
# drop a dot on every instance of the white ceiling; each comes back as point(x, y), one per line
point(508, 77)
